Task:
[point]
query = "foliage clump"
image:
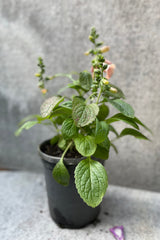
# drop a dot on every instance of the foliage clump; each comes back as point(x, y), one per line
point(82, 121)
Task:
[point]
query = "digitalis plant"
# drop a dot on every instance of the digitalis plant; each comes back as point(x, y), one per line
point(83, 123)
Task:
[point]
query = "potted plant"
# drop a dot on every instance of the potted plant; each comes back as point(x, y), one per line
point(73, 159)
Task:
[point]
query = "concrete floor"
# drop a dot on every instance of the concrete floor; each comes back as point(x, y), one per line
point(24, 212)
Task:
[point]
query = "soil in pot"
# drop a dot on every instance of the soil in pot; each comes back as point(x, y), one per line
point(66, 207)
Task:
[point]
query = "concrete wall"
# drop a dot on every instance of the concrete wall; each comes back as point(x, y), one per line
point(58, 31)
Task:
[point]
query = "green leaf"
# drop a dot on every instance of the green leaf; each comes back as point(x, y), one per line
point(121, 117)
point(49, 104)
point(61, 111)
point(107, 93)
point(112, 129)
point(60, 174)
point(69, 129)
point(34, 116)
point(85, 145)
point(101, 132)
point(67, 104)
point(142, 124)
point(91, 181)
point(123, 107)
point(115, 148)
point(133, 132)
point(83, 114)
point(102, 150)
point(26, 125)
point(85, 80)
point(54, 140)
point(103, 112)
point(62, 143)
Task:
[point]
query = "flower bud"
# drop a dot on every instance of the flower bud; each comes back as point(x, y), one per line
point(37, 74)
point(91, 38)
point(113, 90)
point(104, 49)
point(105, 81)
point(86, 53)
point(44, 90)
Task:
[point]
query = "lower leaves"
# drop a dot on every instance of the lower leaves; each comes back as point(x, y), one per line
point(61, 174)
point(91, 181)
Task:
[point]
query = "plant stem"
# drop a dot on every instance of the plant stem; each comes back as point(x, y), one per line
point(99, 95)
point(68, 146)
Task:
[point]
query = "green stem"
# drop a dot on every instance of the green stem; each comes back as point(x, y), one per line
point(99, 95)
point(68, 146)
point(90, 96)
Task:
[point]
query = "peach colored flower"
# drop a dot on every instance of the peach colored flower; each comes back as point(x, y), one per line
point(44, 90)
point(110, 69)
point(104, 49)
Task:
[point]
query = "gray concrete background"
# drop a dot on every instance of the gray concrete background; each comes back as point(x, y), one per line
point(58, 31)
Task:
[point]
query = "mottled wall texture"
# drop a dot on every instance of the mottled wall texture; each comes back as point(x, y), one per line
point(58, 31)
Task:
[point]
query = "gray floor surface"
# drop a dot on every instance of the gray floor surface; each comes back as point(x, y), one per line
point(24, 212)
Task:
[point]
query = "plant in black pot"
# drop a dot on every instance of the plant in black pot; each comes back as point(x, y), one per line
point(73, 159)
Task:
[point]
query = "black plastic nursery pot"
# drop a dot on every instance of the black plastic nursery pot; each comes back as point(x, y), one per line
point(66, 207)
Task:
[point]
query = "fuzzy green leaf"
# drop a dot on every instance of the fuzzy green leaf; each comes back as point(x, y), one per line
point(121, 117)
point(61, 111)
point(69, 129)
point(85, 145)
point(102, 150)
point(103, 112)
point(54, 140)
point(112, 129)
point(26, 125)
point(49, 104)
point(101, 132)
point(123, 107)
point(142, 124)
point(83, 114)
point(91, 181)
point(60, 174)
point(85, 80)
point(107, 93)
point(133, 132)
point(115, 148)
point(62, 143)
point(67, 104)
point(31, 117)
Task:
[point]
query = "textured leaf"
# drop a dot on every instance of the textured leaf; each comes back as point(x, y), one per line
point(67, 104)
point(61, 111)
point(142, 124)
point(101, 132)
point(133, 132)
point(91, 181)
point(54, 140)
point(115, 148)
point(103, 112)
point(31, 117)
point(112, 129)
point(107, 93)
point(49, 104)
point(26, 125)
point(123, 107)
point(60, 174)
point(85, 80)
point(62, 143)
point(83, 114)
point(121, 117)
point(85, 145)
point(69, 129)
point(102, 150)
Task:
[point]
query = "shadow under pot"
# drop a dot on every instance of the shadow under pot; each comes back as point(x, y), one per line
point(66, 207)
